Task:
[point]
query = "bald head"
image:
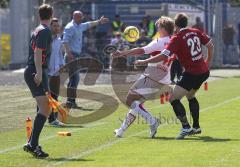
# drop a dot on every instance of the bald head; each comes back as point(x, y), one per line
point(77, 16)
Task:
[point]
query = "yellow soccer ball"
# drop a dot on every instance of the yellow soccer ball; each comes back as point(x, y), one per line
point(131, 34)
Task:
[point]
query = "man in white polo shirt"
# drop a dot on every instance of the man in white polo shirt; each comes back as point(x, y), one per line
point(56, 61)
point(154, 80)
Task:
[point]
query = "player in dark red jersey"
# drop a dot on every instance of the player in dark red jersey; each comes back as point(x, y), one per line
point(186, 44)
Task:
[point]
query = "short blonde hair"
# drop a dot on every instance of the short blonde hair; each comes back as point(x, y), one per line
point(167, 23)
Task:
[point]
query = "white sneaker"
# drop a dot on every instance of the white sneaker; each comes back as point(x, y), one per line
point(57, 123)
point(153, 128)
point(118, 133)
point(184, 132)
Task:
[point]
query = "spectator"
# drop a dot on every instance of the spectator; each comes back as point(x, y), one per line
point(89, 37)
point(87, 17)
point(72, 40)
point(117, 25)
point(118, 41)
point(90, 42)
point(121, 62)
point(144, 39)
point(148, 26)
point(55, 63)
point(228, 37)
point(199, 24)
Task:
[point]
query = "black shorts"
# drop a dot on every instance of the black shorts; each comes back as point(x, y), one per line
point(29, 79)
point(190, 81)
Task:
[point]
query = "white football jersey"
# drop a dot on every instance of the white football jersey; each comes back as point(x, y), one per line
point(158, 71)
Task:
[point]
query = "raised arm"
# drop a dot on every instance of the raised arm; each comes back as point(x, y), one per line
point(153, 59)
point(132, 52)
point(102, 20)
point(148, 49)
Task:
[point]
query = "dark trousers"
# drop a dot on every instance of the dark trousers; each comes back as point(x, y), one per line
point(74, 78)
point(54, 86)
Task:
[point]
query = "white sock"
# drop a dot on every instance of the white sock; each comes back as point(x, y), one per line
point(129, 119)
point(137, 106)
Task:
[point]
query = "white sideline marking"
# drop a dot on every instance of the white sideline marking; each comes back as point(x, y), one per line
point(100, 148)
point(109, 144)
point(220, 104)
point(49, 137)
point(21, 70)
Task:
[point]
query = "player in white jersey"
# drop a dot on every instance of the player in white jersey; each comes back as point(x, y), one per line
point(155, 79)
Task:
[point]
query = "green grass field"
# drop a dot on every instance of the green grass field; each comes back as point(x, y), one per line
point(95, 145)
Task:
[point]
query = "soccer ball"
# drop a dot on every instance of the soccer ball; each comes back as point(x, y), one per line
point(131, 34)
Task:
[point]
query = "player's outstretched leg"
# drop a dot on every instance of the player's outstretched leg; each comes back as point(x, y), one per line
point(129, 119)
point(137, 108)
point(152, 121)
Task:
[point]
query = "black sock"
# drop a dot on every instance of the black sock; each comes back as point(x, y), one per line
point(37, 128)
point(51, 117)
point(194, 109)
point(180, 113)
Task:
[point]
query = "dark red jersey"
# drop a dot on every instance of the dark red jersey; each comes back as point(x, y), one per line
point(187, 46)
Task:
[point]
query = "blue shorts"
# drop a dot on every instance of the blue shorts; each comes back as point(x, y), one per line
point(29, 79)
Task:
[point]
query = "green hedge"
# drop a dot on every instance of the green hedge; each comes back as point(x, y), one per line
point(6, 49)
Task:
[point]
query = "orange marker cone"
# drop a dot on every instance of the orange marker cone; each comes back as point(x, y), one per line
point(166, 96)
point(206, 86)
point(64, 133)
point(162, 99)
point(28, 127)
